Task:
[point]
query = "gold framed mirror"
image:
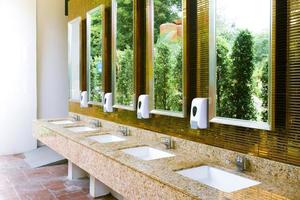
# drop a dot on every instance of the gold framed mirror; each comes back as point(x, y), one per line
point(166, 68)
point(242, 62)
point(123, 53)
point(95, 54)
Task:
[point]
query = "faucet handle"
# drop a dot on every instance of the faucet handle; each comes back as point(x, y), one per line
point(124, 130)
point(95, 123)
point(76, 117)
point(168, 142)
point(242, 163)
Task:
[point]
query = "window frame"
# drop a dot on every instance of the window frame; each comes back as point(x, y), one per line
point(100, 8)
point(70, 24)
point(213, 118)
point(150, 61)
point(114, 55)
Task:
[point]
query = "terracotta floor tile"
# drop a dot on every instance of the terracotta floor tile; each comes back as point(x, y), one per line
point(19, 182)
point(38, 195)
point(58, 171)
point(54, 185)
point(72, 195)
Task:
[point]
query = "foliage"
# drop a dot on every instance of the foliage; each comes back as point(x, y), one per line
point(261, 47)
point(125, 76)
point(223, 81)
point(168, 86)
point(175, 81)
point(264, 91)
point(242, 75)
point(168, 76)
point(161, 71)
point(240, 97)
point(124, 59)
point(124, 24)
point(165, 11)
point(95, 58)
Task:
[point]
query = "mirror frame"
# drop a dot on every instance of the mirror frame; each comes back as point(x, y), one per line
point(114, 54)
point(150, 61)
point(101, 9)
point(213, 82)
point(76, 21)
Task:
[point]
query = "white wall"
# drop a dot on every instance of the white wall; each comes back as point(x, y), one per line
point(52, 59)
point(17, 75)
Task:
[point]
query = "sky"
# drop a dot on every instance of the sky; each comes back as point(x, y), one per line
point(251, 14)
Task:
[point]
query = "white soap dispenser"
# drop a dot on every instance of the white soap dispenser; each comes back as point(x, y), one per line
point(108, 107)
point(199, 115)
point(143, 107)
point(83, 99)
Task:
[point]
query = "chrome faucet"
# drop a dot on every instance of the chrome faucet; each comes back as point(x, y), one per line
point(76, 117)
point(168, 142)
point(95, 123)
point(124, 130)
point(241, 163)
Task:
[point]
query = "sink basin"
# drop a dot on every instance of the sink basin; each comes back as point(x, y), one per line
point(147, 153)
point(78, 129)
point(62, 122)
point(107, 138)
point(217, 178)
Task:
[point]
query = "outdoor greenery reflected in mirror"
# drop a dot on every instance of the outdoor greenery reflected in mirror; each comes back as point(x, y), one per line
point(123, 52)
point(241, 58)
point(95, 54)
point(168, 55)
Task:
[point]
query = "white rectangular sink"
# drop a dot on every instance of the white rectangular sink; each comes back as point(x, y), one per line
point(217, 178)
point(147, 153)
point(107, 138)
point(62, 122)
point(78, 129)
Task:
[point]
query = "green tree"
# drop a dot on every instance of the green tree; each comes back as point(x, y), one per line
point(125, 77)
point(96, 57)
point(124, 24)
point(242, 69)
point(261, 47)
point(175, 81)
point(161, 71)
point(223, 79)
point(165, 11)
point(264, 91)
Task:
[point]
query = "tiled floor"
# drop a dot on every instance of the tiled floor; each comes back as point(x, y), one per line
point(19, 182)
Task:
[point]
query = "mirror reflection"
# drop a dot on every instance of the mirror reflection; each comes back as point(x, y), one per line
point(168, 41)
point(241, 58)
point(123, 52)
point(95, 54)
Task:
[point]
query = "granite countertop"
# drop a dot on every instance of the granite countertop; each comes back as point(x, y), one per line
point(164, 170)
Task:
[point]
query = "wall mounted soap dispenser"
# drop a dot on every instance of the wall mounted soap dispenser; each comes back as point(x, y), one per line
point(199, 115)
point(143, 107)
point(108, 107)
point(83, 99)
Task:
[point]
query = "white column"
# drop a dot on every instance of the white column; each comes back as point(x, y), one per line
point(18, 104)
point(97, 188)
point(75, 172)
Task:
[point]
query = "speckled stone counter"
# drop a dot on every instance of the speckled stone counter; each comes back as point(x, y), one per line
point(157, 179)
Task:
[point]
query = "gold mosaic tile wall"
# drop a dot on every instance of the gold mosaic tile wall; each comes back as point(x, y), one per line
point(282, 144)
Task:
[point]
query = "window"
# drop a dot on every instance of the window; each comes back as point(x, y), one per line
point(95, 54)
point(168, 65)
point(240, 62)
point(123, 53)
point(74, 44)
